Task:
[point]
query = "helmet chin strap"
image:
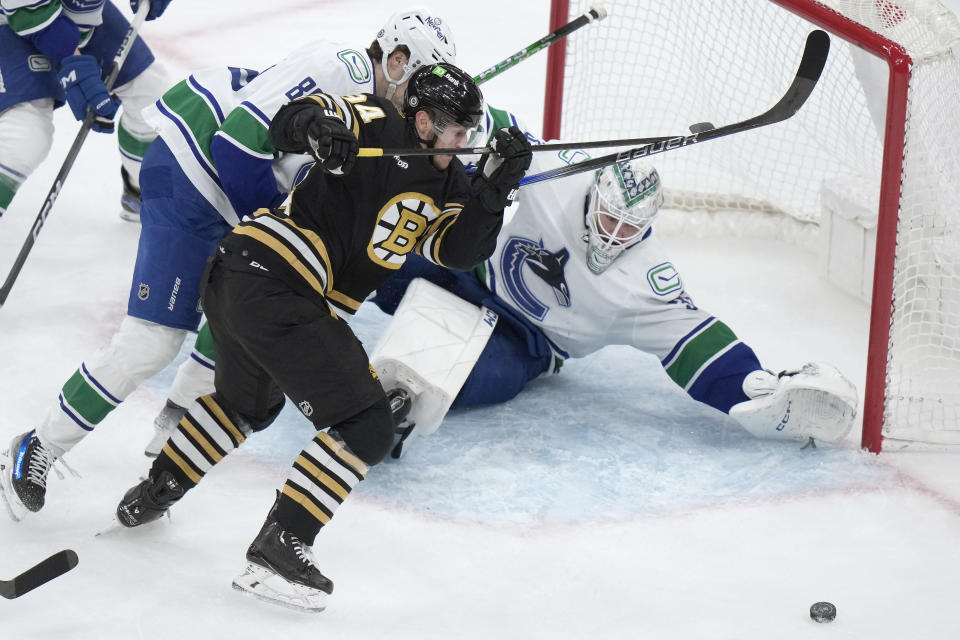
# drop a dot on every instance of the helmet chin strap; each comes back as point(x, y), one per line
point(391, 88)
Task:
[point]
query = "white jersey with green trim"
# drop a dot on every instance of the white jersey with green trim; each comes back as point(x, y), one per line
point(238, 104)
point(540, 269)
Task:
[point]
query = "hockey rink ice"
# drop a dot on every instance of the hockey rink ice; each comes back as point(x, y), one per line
point(601, 503)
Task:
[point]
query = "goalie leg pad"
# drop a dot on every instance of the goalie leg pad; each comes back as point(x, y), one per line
point(815, 402)
point(429, 349)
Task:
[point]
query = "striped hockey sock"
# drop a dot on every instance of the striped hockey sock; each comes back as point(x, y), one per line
point(205, 435)
point(321, 478)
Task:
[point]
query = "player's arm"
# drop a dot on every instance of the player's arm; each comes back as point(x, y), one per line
point(242, 150)
point(44, 25)
point(466, 235)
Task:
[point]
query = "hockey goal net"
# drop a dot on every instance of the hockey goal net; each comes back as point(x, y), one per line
point(876, 144)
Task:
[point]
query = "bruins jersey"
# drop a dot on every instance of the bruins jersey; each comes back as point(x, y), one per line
point(345, 234)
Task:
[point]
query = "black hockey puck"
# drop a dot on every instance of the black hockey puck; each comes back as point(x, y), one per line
point(823, 611)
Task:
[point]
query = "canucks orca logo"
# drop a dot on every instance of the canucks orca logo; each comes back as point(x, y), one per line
point(544, 264)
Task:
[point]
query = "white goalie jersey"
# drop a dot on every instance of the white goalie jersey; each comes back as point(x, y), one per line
point(539, 268)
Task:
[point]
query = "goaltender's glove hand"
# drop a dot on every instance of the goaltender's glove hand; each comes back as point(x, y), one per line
point(80, 79)
point(498, 175)
point(156, 8)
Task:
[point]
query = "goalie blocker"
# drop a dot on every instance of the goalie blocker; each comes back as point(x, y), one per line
point(447, 335)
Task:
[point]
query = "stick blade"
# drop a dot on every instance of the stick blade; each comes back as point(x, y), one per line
point(814, 55)
point(39, 574)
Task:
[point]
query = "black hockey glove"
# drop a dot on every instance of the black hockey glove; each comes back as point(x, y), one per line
point(498, 175)
point(325, 137)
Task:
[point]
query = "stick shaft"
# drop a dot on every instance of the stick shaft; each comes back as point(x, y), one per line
point(72, 154)
point(597, 12)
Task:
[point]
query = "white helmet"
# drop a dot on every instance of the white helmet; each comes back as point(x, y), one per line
point(426, 35)
point(623, 201)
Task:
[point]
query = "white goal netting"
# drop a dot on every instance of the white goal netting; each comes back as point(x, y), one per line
point(655, 68)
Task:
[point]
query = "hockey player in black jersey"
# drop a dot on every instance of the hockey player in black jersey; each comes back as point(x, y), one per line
point(281, 286)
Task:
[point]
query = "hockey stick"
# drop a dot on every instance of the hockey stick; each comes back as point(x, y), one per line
point(596, 12)
point(811, 66)
point(67, 165)
point(808, 73)
point(39, 574)
point(376, 152)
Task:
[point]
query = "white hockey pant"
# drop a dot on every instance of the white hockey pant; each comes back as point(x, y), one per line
point(134, 134)
point(138, 350)
point(26, 134)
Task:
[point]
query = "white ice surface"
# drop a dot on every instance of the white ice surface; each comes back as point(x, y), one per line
point(602, 503)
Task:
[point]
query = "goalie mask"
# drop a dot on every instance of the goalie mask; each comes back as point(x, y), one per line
point(621, 205)
point(427, 37)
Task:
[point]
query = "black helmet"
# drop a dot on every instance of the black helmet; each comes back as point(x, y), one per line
point(446, 89)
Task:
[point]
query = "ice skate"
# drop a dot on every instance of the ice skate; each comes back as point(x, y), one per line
point(23, 474)
point(149, 500)
point(130, 199)
point(163, 426)
point(281, 570)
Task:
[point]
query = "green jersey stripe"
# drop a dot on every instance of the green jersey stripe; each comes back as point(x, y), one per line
point(248, 132)
point(194, 113)
point(27, 21)
point(699, 350)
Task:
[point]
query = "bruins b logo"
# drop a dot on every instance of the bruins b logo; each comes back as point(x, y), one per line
point(400, 225)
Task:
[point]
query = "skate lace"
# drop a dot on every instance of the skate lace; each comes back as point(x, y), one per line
point(303, 551)
point(38, 466)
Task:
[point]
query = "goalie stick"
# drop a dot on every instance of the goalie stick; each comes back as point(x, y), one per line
point(72, 154)
point(811, 66)
point(39, 574)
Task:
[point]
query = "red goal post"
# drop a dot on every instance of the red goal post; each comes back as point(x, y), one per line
point(897, 153)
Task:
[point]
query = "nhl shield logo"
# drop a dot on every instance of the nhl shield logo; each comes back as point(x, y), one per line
point(306, 408)
point(143, 292)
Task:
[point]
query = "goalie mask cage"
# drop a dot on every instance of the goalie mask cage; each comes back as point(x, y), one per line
point(653, 68)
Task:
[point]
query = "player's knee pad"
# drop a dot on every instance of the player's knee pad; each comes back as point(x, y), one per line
point(26, 133)
point(138, 350)
point(368, 434)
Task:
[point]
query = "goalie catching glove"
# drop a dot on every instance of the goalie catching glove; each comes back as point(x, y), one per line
point(319, 131)
point(498, 175)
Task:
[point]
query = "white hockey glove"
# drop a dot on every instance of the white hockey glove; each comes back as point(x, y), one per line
point(815, 402)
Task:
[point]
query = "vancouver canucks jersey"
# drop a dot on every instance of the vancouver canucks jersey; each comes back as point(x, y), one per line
point(216, 121)
point(26, 17)
point(344, 235)
point(539, 268)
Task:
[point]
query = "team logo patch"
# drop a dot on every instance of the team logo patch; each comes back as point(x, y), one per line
point(357, 65)
point(39, 63)
point(523, 258)
point(373, 372)
point(306, 408)
point(143, 291)
point(664, 279)
point(400, 225)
